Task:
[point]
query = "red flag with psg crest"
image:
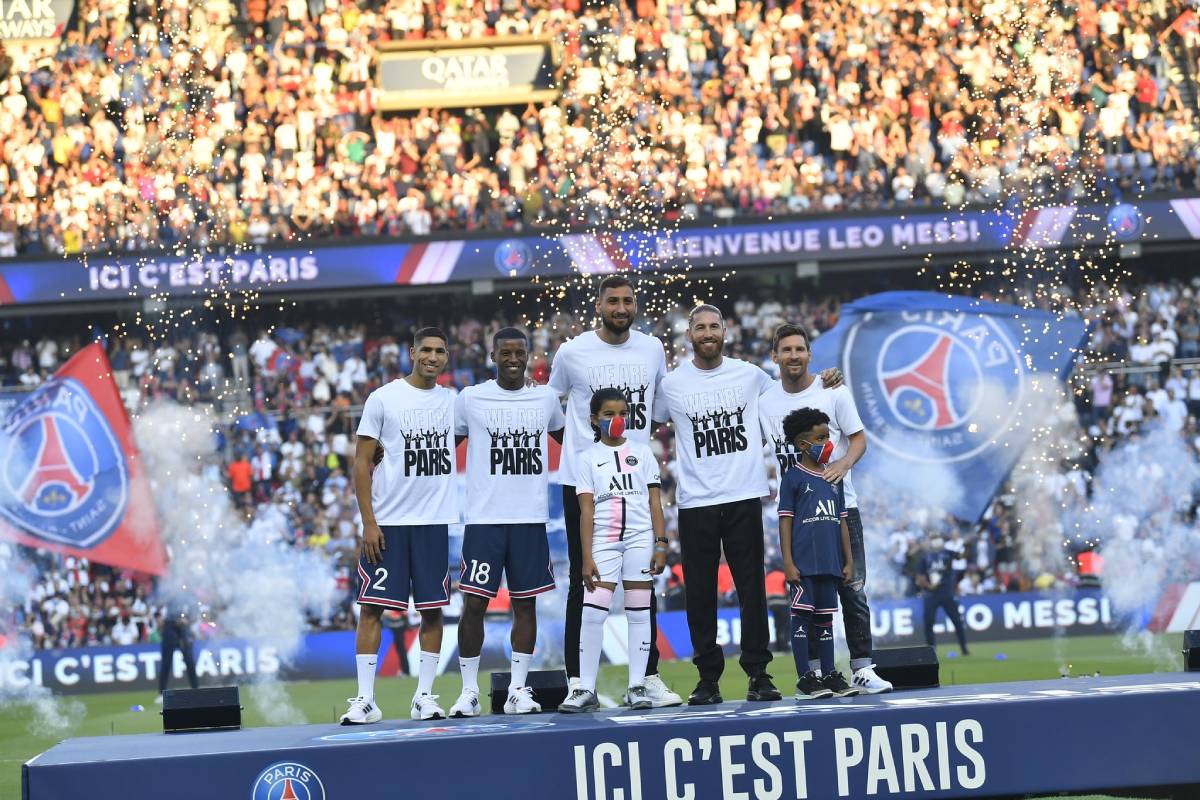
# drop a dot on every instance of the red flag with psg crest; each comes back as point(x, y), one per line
point(73, 480)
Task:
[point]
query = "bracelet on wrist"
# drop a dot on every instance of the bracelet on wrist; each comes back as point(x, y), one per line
point(661, 540)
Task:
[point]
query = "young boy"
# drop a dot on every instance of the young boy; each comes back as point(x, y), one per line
point(815, 543)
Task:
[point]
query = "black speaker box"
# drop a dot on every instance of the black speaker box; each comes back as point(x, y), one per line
point(908, 667)
point(201, 709)
point(549, 688)
point(1191, 651)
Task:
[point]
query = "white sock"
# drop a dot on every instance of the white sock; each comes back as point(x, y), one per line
point(639, 653)
point(520, 669)
point(429, 665)
point(469, 667)
point(366, 675)
point(814, 666)
point(591, 639)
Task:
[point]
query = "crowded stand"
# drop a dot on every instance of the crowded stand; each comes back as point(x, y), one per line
point(242, 124)
point(288, 400)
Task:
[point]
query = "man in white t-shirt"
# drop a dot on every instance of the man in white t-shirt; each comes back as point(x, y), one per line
point(506, 423)
point(798, 388)
point(612, 355)
point(712, 401)
point(407, 504)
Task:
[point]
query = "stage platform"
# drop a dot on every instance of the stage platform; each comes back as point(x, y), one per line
point(970, 741)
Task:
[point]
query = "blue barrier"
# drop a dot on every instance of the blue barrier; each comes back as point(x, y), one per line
point(979, 741)
point(327, 655)
point(988, 617)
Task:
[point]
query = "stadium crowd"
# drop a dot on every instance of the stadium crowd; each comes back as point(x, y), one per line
point(285, 456)
point(164, 124)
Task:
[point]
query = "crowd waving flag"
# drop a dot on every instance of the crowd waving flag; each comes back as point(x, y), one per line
point(72, 479)
point(943, 384)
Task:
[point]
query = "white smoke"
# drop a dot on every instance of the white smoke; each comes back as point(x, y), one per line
point(1142, 517)
point(254, 586)
point(48, 715)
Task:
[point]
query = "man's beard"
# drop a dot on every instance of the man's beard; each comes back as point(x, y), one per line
point(612, 325)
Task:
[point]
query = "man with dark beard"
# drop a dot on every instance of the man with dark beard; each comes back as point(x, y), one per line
point(612, 355)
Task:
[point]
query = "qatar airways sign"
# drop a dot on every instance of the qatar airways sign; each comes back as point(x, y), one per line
point(499, 71)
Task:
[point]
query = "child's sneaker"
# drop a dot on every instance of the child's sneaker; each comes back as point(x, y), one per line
point(809, 687)
point(835, 683)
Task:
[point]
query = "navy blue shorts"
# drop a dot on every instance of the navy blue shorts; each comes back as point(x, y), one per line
point(415, 562)
point(816, 595)
point(519, 551)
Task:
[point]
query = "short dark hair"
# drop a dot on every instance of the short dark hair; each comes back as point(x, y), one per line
point(613, 281)
point(425, 333)
point(508, 333)
point(788, 329)
point(602, 396)
point(702, 308)
point(802, 420)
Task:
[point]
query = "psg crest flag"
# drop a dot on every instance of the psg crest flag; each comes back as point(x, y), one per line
point(944, 385)
point(73, 479)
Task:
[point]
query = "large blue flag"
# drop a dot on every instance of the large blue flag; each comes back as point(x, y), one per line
point(944, 386)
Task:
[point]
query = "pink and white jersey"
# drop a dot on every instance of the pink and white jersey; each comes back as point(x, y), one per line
point(619, 480)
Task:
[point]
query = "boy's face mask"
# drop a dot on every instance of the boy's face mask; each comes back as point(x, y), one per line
point(612, 427)
point(821, 452)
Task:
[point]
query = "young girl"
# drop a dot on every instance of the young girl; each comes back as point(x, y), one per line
point(621, 531)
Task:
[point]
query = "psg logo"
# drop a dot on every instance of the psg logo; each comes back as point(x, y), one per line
point(934, 386)
point(1125, 222)
point(513, 257)
point(287, 780)
point(64, 477)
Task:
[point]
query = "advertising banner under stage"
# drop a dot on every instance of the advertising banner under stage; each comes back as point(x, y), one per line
point(988, 617)
point(323, 656)
point(448, 260)
point(328, 655)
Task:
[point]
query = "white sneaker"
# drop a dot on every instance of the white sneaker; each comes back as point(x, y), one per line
point(636, 697)
point(361, 712)
point(660, 696)
point(424, 706)
point(520, 701)
point(573, 685)
point(467, 705)
point(579, 700)
point(869, 682)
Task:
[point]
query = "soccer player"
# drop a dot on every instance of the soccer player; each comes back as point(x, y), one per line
point(506, 423)
point(612, 355)
point(798, 388)
point(713, 403)
point(406, 504)
point(623, 536)
point(939, 589)
point(815, 544)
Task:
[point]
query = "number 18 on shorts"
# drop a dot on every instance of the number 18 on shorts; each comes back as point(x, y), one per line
point(414, 563)
point(518, 551)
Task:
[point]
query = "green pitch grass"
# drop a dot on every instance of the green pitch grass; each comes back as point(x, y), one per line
point(324, 701)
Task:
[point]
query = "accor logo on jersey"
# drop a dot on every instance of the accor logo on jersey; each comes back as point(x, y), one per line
point(621, 483)
point(934, 385)
point(427, 453)
point(516, 441)
point(718, 422)
point(287, 780)
point(633, 380)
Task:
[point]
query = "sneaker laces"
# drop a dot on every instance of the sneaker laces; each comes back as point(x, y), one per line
point(522, 690)
point(358, 702)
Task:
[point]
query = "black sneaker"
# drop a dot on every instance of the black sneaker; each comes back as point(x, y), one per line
point(835, 683)
point(762, 688)
point(706, 693)
point(809, 687)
